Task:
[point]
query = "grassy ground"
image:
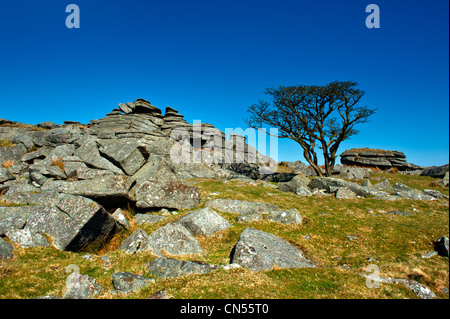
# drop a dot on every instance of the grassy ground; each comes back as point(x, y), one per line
point(394, 243)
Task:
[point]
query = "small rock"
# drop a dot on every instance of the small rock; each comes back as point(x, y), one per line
point(80, 286)
point(160, 294)
point(171, 268)
point(290, 216)
point(121, 219)
point(429, 254)
point(127, 282)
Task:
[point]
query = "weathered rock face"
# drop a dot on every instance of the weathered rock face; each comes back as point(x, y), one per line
point(73, 222)
point(257, 250)
point(366, 157)
point(159, 194)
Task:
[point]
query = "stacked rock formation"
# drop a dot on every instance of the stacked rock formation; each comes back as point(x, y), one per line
point(375, 158)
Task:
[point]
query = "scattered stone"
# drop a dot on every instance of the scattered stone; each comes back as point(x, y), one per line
point(160, 294)
point(204, 222)
point(384, 185)
point(355, 173)
point(436, 171)
point(434, 193)
point(170, 268)
point(290, 216)
point(430, 254)
point(345, 193)
point(126, 282)
point(72, 221)
point(121, 219)
point(257, 250)
point(298, 181)
point(421, 291)
point(80, 286)
point(175, 239)
point(138, 242)
point(398, 213)
point(327, 182)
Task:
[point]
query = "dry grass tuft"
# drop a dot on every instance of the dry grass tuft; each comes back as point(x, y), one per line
point(57, 161)
point(8, 163)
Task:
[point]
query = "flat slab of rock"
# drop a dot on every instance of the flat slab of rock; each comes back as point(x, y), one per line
point(175, 239)
point(257, 250)
point(170, 268)
point(204, 222)
point(105, 187)
point(72, 221)
point(168, 194)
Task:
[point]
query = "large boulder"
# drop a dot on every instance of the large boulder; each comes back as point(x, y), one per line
point(257, 250)
point(73, 222)
point(436, 171)
point(376, 158)
point(299, 181)
point(204, 222)
point(175, 239)
point(167, 194)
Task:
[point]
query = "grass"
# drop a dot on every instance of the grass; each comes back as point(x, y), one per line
point(394, 243)
point(8, 163)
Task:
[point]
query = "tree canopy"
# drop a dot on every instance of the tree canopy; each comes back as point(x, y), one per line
point(313, 116)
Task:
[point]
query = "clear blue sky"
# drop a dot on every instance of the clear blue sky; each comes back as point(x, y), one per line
point(211, 59)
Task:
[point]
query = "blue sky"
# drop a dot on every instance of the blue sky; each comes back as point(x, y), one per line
point(212, 59)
